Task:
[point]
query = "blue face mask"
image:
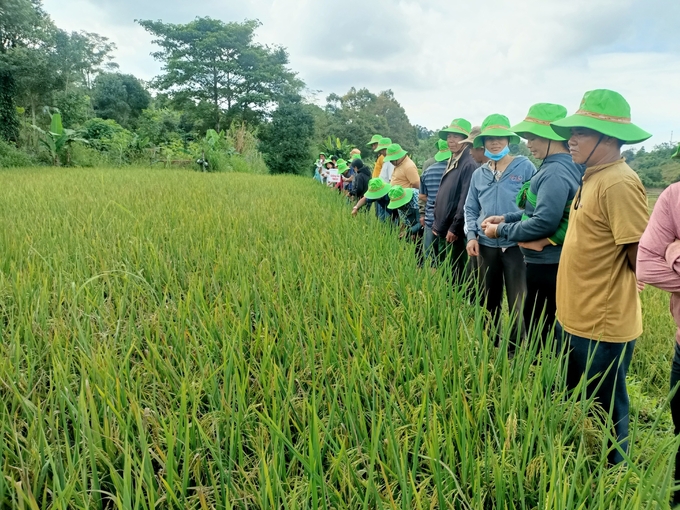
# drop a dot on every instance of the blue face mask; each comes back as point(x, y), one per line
point(499, 156)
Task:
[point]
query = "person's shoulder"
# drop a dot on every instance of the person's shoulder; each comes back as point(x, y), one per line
point(523, 163)
point(671, 195)
point(620, 173)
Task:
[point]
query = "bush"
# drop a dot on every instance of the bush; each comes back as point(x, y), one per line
point(84, 156)
point(286, 142)
point(10, 156)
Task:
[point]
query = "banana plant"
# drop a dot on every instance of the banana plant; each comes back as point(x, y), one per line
point(58, 139)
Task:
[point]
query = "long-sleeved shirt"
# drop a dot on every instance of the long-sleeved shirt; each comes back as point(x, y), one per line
point(554, 186)
point(429, 186)
point(449, 206)
point(658, 260)
point(378, 166)
point(406, 174)
point(386, 171)
point(409, 215)
point(489, 196)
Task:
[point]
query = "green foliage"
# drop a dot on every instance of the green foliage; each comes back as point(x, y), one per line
point(57, 140)
point(74, 106)
point(120, 97)
point(160, 126)
point(10, 156)
point(655, 168)
point(216, 62)
point(9, 120)
point(287, 140)
point(333, 146)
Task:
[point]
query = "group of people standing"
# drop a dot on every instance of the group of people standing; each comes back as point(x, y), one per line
point(563, 241)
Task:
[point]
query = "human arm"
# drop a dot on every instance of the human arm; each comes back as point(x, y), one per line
point(536, 245)
point(472, 211)
point(673, 256)
point(459, 217)
point(359, 205)
point(412, 175)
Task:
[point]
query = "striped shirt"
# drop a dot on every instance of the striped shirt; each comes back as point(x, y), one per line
point(429, 185)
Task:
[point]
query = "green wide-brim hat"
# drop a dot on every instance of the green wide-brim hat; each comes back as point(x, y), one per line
point(443, 156)
point(400, 196)
point(377, 188)
point(606, 112)
point(538, 121)
point(495, 125)
point(355, 156)
point(375, 139)
point(384, 143)
point(343, 168)
point(676, 155)
point(395, 152)
point(458, 126)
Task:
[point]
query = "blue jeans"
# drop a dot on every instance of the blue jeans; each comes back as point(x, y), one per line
point(428, 244)
point(380, 212)
point(609, 364)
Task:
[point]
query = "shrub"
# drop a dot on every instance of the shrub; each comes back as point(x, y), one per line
point(10, 156)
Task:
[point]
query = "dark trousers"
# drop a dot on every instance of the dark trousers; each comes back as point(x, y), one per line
point(675, 412)
point(609, 364)
point(454, 254)
point(540, 305)
point(504, 269)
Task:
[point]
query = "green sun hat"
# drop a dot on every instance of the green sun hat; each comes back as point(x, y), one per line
point(322, 154)
point(377, 188)
point(399, 197)
point(375, 139)
point(495, 125)
point(355, 156)
point(384, 143)
point(444, 152)
point(342, 166)
point(676, 155)
point(606, 112)
point(458, 126)
point(538, 121)
point(395, 152)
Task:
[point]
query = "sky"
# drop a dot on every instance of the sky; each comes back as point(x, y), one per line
point(443, 60)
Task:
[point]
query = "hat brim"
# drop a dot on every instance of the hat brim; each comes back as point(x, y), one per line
point(677, 154)
point(381, 148)
point(627, 133)
point(501, 133)
point(444, 133)
point(524, 128)
point(442, 156)
point(375, 195)
point(408, 196)
point(396, 156)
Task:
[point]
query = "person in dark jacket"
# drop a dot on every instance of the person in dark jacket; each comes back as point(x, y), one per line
point(545, 202)
point(449, 206)
point(362, 174)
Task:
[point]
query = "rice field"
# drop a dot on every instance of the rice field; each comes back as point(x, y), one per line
point(173, 339)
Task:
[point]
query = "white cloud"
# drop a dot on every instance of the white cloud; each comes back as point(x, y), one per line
point(442, 59)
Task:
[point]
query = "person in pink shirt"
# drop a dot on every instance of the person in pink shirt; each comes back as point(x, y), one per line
point(658, 264)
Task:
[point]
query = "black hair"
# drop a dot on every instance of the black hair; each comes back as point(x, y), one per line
point(357, 163)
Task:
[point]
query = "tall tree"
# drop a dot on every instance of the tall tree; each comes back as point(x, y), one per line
point(80, 56)
point(209, 60)
point(120, 97)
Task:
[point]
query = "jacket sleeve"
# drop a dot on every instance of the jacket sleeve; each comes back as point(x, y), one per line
point(551, 197)
point(513, 217)
point(472, 208)
point(464, 186)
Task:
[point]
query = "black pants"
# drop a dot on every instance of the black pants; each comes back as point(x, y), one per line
point(675, 412)
point(504, 269)
point(454, 254)
point(540, 306)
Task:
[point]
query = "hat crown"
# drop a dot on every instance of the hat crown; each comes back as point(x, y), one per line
point(385, 141)
point(605, 102)
point(462, 124)
point(393, 149)
point(442, 145)
point(375, 184)
point(376, 139)
point(396, 193)
point(495, 120)
point(546, 112)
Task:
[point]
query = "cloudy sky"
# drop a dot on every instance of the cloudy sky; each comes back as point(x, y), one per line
point(441, 59)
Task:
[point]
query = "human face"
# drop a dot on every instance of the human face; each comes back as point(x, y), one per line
point(374, 146)
point(478, 155)
point(495, 144)
point(383, 152)
point(453, 141)
point(583, 143)
point(538, 146)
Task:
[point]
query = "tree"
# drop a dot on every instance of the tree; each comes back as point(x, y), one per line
point(209, 60)
point(287, 140)
point(120, 97)
point(80, 56)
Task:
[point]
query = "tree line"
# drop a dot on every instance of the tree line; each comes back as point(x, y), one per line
point(222, 101)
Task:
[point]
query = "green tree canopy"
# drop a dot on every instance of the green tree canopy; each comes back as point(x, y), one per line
point(209, 60)
point(120, 97)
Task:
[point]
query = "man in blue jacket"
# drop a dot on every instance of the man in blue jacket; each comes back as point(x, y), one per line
point(493, 191)
point(541, 225)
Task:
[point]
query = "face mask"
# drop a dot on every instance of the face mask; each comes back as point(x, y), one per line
point(499, 156)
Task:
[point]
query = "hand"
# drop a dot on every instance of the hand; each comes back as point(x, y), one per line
point(451, 237)
point(491, 230)
point(492, 220)
point(640, 286)
point(535, 245)
point(473, 248)
point(434, 232)
point(422, 221)
point(354, 211)
point(402, 234)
